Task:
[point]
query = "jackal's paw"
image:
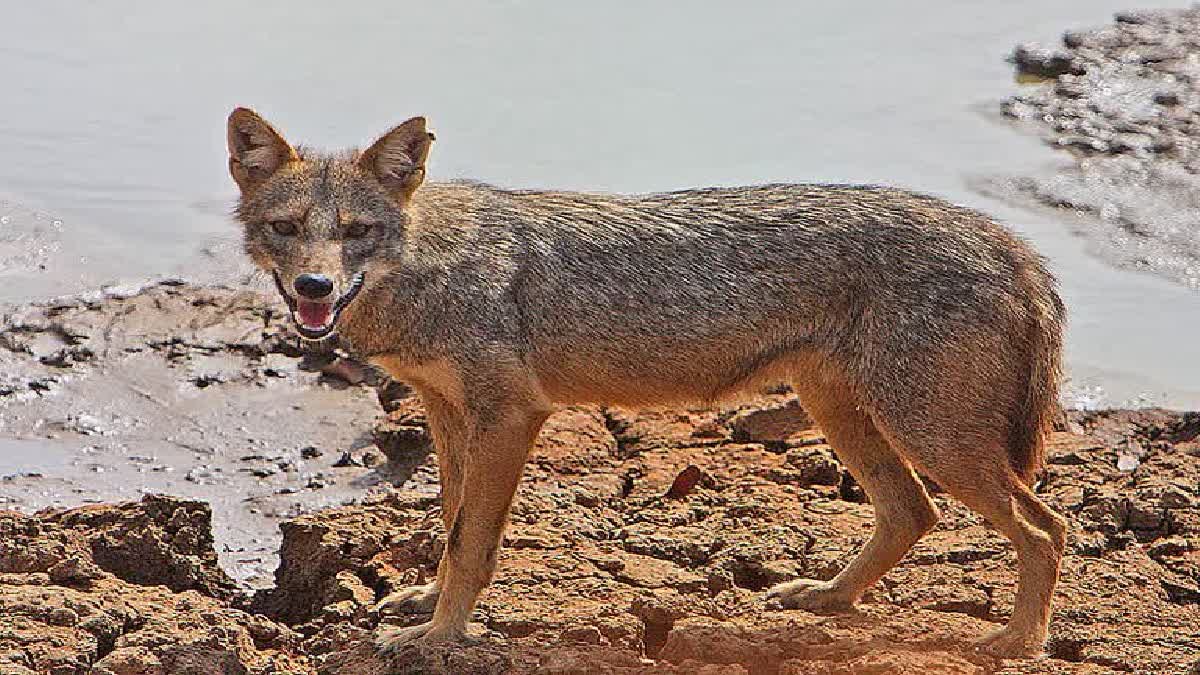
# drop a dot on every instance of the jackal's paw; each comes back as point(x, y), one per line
point(810, 594)
point(391, 640)
point(412, 600)
point(1010, 644)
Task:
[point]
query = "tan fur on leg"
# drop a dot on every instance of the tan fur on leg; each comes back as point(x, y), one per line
point(447, 425)
point(903, 510)
point(499, 447)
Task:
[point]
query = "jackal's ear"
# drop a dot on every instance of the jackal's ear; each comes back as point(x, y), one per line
point(256, 150)
point(397, 159)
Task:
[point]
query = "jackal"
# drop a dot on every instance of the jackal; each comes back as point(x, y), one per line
point(921, 336)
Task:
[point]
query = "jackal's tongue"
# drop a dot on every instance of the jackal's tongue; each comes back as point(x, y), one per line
point(314, 314)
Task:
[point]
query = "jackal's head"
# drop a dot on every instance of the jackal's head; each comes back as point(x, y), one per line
point(315, 221)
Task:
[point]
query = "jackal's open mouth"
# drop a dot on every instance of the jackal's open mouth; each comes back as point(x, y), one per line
point(317, 319)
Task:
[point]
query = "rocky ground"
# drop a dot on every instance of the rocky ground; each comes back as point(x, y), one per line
point(1124, 101)
point(639, 544)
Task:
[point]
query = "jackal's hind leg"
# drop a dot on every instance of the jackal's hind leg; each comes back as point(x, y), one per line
point(1039, 535)
point(903, 510)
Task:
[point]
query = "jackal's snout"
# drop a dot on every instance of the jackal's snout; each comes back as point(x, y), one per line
point(313, 286)
point(315, 302)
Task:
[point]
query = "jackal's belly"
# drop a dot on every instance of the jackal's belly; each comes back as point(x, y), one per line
point(663, 375)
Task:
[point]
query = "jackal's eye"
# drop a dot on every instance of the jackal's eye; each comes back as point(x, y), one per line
point(283, 228)
point(358, 229)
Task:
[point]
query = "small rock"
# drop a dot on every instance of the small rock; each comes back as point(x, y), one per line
point(74, 570)
point(1167, 98)
point(770, 425)
point(310, 452)
point(585, 497)
point(87, 425)
point(1175, 497)
point(685, 482)
point(709, 430)
point(1038, 61)
point(391, 393)
point(1143, 516)
point(849, 490)
point(719, 580)
point(1128, 462)
point(351, 372)
point(201, 475)
point(816, 466)
point(589, 635)
point(202, 381)
point(63, 616)
point(1169, 547)
point(1067, 459)
point(347, 459)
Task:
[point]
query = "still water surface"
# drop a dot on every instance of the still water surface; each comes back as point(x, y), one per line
point(112, 159)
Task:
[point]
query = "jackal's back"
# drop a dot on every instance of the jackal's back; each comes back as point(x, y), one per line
point(698, 294)
point(696, 290)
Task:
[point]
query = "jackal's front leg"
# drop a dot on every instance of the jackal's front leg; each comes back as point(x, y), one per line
point(493, 468)
point(448, 427)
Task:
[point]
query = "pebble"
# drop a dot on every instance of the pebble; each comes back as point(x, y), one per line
point(347, 459)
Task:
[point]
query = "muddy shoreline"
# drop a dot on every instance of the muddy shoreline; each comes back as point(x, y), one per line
point(194, 391)
point(1123, 103)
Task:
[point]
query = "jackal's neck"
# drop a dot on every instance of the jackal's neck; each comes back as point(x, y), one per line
point(416, 284)
point(440, 207)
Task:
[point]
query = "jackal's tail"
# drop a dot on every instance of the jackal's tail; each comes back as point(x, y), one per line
point(1035, 417)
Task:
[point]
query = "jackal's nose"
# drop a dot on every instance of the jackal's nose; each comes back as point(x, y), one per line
point(313, 286)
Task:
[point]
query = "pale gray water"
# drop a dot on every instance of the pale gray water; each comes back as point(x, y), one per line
point(112, 160)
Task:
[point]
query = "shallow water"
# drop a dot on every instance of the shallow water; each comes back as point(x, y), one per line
point(18, 455)
point(112, 160)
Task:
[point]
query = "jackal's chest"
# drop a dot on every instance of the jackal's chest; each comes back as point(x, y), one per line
point(437, 375)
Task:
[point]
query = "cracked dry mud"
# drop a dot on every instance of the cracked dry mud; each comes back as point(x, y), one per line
point(640, 543)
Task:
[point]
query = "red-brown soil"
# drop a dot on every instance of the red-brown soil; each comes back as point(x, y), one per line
point(602, 572)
